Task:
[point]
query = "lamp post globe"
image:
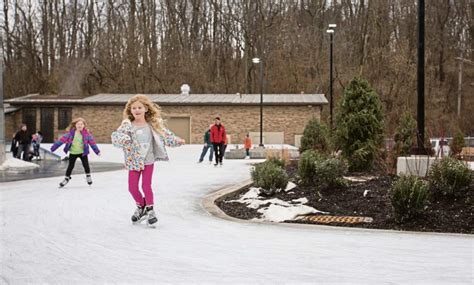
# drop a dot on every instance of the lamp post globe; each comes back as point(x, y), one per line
point(257, 60)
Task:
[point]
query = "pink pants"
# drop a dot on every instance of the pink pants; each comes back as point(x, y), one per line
point(133, 180)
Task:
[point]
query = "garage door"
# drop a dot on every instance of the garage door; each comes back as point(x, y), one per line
point(181, 126)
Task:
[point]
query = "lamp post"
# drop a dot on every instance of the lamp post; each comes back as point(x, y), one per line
point(257, 60)
point(421, 77)
point(330, 31)
point(2, 118)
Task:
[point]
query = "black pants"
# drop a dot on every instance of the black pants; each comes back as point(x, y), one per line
point(219, 151)
point(72, 162)
point(25, 149)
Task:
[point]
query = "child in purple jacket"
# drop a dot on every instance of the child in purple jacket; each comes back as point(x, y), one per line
point(77, 142)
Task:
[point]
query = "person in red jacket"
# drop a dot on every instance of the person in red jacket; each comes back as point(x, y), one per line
point(218, 138)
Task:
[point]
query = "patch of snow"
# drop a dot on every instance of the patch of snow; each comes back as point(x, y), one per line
point(303, 200)
point(359, 178)
point(290, 186)
point(278, 210)
point(279, 213)
point(17, 164)
point(251, 194)
point(255, 203)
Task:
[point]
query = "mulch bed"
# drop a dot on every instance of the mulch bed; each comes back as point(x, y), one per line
point(443, 214)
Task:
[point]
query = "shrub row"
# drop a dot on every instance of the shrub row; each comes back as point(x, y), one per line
point(409, 194)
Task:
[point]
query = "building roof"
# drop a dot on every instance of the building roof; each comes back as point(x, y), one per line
point(7, 108)
point(176, 99)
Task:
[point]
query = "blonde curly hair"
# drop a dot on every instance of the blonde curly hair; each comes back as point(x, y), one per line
point(72, 125)
point(152, 115)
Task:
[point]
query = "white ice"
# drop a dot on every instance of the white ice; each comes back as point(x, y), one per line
point(83, 235)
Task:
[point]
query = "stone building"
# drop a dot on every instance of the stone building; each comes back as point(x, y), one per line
point(284, 115)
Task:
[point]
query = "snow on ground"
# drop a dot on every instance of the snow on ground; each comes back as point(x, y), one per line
point(83, 235)
point(290, 186)
point(17, 165)
point(278, 210)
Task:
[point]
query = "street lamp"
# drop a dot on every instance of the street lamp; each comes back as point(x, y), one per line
point(330, 31)
point(2, 118)
point(421, 77)
point(257, 60)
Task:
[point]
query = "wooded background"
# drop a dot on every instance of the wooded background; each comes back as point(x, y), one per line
point(82, 47)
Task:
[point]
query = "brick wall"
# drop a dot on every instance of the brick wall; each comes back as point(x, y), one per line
point(238, 120)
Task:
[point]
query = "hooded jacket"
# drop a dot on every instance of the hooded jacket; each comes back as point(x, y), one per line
point(126, 139)
point(68, 137)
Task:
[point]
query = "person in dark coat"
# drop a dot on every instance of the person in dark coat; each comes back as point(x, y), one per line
point(14, 146)
point(23, 141)
point(218, 139)
point(207, 145)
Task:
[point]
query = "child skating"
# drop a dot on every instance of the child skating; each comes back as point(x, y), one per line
point(77, 141)
point(143, 138)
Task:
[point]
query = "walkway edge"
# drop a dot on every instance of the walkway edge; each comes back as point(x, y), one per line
point(209, 205)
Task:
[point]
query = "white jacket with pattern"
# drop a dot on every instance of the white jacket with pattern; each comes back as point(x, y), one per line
point(126, 139)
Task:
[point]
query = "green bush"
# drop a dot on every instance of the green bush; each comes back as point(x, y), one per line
point(405, 135)
point(321, 170)
point(449, 176)
point(457, 144)
point(328, 172)
point(359, 125)
point(306, 166)
point(276, 161)
point(315, 137)
point(270, 177)
point(408, 196)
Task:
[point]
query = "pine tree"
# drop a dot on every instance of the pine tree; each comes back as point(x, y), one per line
point(359, 125)
point(457, 144)
point(405, 135)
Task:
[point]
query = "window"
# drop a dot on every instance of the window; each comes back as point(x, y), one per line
point(29, 118)
point(64, 117)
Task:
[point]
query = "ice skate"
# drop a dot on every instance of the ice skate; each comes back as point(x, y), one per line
point(139, 215)
point(64, 182)
point(151, 216)
point(89, 179)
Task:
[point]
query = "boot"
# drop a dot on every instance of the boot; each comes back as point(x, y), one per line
point(151, 216)
point(65, 181)
point(89, 179)
point(139, 214)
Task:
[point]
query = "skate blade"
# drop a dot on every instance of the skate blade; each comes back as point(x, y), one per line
point(151, 226)
point(153, 223)
point(139, 221)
